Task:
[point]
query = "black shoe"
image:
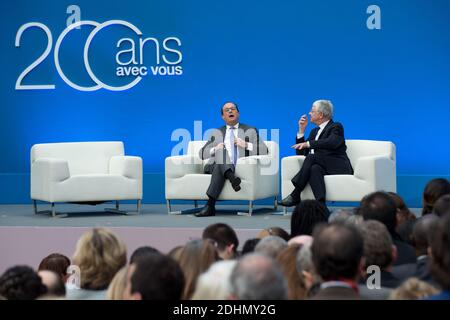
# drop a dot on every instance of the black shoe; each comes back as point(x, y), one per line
point(236, 184)
point(289, 201)
point(207, 211)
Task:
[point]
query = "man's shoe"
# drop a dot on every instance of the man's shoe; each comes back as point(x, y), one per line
point(236, 184)
point(207, 211)
point(289, 201)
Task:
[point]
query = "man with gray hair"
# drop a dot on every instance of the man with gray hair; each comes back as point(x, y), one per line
point(258, 277)
point(271, 246)
point(325, 152)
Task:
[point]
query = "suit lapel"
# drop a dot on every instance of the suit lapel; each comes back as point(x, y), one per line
point(327, 127)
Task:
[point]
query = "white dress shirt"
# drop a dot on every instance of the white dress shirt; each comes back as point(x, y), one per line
point(321, 127)
point(226, 140)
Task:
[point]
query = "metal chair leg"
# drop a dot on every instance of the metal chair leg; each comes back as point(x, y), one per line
point(195, 203)
point(138, 206)
point(53, 210)
point(35, 207)
point(275, 204)
point(250, 208)
point(169, 208)
point(117, 205)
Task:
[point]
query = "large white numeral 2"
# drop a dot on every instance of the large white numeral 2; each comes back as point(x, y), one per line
point(19, 85)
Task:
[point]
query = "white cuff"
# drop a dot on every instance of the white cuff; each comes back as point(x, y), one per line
point(249, 146)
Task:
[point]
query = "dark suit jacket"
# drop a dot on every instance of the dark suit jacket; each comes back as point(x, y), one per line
point(420, 269)
point(245, 132)
point(330, 146)
point(336, 293)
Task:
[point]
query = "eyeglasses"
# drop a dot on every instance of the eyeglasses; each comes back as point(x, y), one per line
point(230, 109)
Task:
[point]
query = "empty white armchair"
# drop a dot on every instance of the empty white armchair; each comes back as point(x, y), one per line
point(374, 166)
point(185, 179)
point(84, 172)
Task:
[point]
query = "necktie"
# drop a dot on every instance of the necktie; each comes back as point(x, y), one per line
point(233, 150)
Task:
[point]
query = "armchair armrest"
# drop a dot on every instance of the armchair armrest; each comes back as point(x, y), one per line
point(377, 169)
point(290, 166)
point(127, 166)
point(50, 170)
point(178, 166)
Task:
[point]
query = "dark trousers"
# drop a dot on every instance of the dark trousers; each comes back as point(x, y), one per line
point(217, 169)
point(314, 168)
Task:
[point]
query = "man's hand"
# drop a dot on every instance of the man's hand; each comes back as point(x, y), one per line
point(240, 143)
point(302, 123)
point(300, 146)
point(219, 146)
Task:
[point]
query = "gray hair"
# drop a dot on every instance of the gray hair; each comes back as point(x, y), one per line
point(271, 246)
point(214, 284)
point(258, 277)
point(324, 106)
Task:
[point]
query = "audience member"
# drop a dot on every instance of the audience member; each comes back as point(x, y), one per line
point(274, 231)
point(337, 253)
point(305, 268)
point(442, 206)
point(413, 289)
point(214, 284)
point(432, 192)
point(21, 283)
point(141, 252)
point(380, 206)
point(55, 285)
point(225, 237)
point(100, 255)
point(57, 263)
point(287, 261)
point(116, 289)
point(195, 258)
point(270, 246)
point(249, 246)
point(154, 277)
point(306, 215)
point(257, 277)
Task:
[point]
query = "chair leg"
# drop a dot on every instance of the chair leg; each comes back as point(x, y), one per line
point(285, 211)
point(275, 204)
point(53, 210)
point(195, 203)
point(35, 207)
point(117, 205)
point(169, 208)
point(138, 206)
point(250, 208)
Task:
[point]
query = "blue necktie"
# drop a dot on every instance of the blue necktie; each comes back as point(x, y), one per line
point(233, 150)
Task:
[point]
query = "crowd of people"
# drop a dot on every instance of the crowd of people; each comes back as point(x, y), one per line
point(379, 250)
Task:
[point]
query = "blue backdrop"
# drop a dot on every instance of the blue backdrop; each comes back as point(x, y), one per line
point(272, 57)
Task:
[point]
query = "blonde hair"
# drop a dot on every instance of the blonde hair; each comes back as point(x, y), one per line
point(99, 254)
point(413, 289)
point(118, 284)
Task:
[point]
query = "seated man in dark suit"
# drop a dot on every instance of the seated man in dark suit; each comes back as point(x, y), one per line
point(227, 144)
point(324, 151)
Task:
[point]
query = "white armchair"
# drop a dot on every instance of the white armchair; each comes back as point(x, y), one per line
point(374, 166)
point(84, 172)
point(185, 179)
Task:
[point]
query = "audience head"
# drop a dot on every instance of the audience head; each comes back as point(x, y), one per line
point(249, 245)
point(271, 246)
point(403, 212)
point(55, 285)
point(378, 247)
point(57, 263)
point(442, 206)
point(432, 192)
point(380, 206)
point(141, 252)
point(116, 289)
point(154, 277)
point(337, 252)
point(195, 258)
point(175, 253)
point(423, 231)
point(413, 289)
point(21, 283)
point(306, 215)
point(225, 237)
point(214, 284)
point(306, 270)
point(274, 231)
point(302, 240)
point(440, 253)
point(287, 261)
point(99, 254)
point(340, 215)
point(258, 277)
